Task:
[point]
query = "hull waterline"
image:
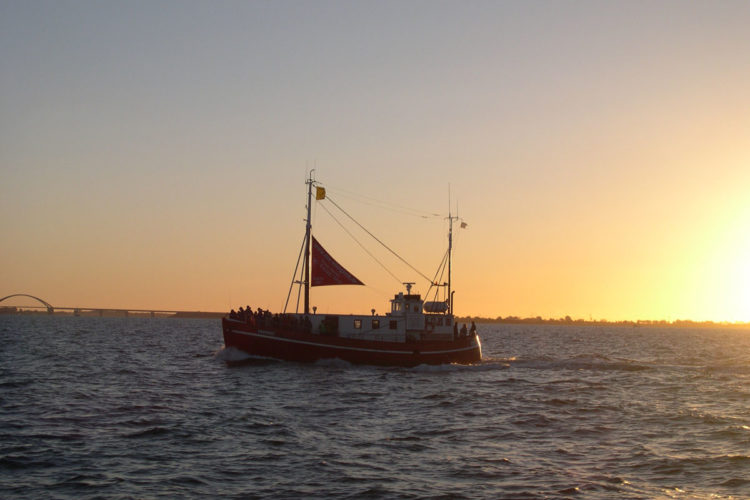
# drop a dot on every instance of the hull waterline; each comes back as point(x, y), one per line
point(307, 347)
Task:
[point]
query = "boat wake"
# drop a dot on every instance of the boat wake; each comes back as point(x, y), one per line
point(236, 357)
point(231, 354)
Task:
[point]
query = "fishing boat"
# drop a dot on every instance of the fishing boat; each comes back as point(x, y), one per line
point(413, 332)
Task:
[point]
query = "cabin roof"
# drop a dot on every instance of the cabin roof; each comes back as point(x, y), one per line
point(413, 296)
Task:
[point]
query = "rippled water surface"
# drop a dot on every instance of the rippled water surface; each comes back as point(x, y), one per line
point(141, 407)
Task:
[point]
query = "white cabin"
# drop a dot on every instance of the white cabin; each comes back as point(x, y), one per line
point(406, 321)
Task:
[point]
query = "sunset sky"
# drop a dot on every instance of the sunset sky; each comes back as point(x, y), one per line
point(153, 154)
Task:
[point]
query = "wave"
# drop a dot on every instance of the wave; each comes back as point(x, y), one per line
point(95, 480)
point(735, 483)
point(728, 368)
point(147, 433)
point(487, 364)
point(582, 362)
point(188, 480)
point(17, 462)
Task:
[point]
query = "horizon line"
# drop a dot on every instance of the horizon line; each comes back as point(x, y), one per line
point(480, 318)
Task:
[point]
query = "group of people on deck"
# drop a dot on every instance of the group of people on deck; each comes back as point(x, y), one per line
point(249, 316)
point(464, 332)
point(266, 319)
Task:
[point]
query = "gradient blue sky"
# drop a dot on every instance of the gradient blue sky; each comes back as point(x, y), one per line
point(153, 154)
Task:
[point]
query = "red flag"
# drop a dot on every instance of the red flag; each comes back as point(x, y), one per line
point(326, 271)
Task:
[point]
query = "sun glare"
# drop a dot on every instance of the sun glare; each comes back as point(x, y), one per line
point(740, 289)
point(727, 280)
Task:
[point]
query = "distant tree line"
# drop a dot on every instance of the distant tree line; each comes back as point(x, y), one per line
point(567, 320)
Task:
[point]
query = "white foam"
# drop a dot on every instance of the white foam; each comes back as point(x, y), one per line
point(231, 354)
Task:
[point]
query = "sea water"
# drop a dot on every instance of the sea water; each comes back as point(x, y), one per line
point(143, 408)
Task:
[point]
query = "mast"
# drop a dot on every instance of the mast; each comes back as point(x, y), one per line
point(308, 230)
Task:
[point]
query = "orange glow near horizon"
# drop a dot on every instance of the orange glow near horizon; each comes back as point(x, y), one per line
point(708, 279)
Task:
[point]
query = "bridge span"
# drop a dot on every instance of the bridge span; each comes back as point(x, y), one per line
point(77, 311)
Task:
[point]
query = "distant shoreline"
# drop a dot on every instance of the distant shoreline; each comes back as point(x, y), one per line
point(514, 320)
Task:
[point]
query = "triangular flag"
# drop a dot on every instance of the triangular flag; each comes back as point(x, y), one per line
point(326, 271)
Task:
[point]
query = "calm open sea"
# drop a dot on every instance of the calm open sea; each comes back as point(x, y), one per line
point(142, 408)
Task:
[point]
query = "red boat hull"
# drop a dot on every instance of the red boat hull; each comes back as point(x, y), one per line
point(306, 347)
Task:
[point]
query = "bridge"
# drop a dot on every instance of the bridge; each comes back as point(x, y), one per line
point(43, 304)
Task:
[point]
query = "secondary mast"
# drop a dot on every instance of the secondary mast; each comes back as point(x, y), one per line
point(450, 249)
point(450, 258)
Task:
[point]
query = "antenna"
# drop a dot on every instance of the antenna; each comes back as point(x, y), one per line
point(449, 199)
point(451, 218)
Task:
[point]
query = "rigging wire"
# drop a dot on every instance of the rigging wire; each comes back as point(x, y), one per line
point(398, 280)
point(440, 270)
point(304, 239)
point(378, 240)
point(383, 204)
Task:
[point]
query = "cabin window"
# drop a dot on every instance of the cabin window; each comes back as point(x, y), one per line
point(358, 324)
point(394, 324)
point(397, 306)
point(440, 321)
point(375, 324)
point(406, 306)
point(448, 321)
